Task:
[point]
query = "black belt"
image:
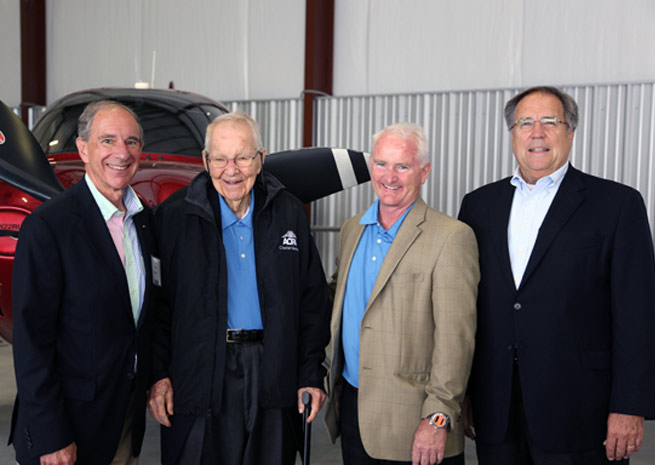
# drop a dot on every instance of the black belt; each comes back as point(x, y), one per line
point(244, 335)
point(350, 387)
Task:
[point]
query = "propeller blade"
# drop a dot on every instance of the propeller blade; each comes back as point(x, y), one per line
point(316, 172)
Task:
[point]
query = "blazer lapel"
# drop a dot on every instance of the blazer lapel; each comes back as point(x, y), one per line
point(407, 234)
point(499, 217)
point(350, 237)
point(349, 245)
point(566, 201)
point(94, 230)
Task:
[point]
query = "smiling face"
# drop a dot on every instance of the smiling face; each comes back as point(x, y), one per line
point(112, 152)
point(229, 140)
point(396, 175)
point(540, 152)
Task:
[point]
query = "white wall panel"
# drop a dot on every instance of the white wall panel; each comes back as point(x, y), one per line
point(225, 49)
point(597, 41)
point(10, 79)
point(389, 46)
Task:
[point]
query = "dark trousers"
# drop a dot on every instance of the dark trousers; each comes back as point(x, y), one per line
point(518, 449)
point(243, 433)
point(352, 449)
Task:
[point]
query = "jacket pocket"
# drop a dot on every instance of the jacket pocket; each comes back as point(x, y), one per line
point(578, 243)
point(414, 377)
point(408, 277)
point(80, 389)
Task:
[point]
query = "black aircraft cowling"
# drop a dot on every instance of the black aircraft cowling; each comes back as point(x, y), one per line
point(22, 162)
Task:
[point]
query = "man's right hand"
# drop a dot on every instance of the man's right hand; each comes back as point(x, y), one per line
point(161, 401)
point(65, 456)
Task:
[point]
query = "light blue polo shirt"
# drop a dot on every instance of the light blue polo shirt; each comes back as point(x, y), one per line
point(243, 311)
point(364, 269)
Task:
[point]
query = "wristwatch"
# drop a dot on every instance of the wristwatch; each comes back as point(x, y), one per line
point(439, 420)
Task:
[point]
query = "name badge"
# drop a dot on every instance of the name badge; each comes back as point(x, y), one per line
point(156, 270)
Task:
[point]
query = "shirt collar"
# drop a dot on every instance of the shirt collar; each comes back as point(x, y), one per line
point(107, 209)
point(228, 217)
point(552, 179)
point(370, 217)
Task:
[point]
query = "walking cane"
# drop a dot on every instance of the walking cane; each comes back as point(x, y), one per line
point(307, 402)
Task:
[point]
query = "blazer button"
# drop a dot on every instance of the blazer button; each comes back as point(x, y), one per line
point(517, 306)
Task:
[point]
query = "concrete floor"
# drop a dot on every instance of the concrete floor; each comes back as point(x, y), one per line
point(322, 453)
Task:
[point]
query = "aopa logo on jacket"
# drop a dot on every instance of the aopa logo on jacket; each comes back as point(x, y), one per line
point(289, 241)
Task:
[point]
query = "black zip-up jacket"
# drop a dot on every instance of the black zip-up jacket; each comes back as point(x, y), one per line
point(190, 332)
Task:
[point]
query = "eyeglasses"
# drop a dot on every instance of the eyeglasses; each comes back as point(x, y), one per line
point(548, 123)
point(242, 161)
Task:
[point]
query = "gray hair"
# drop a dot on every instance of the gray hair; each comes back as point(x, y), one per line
point(568, 104)
point(85, 121)
point(235, 117)
point(410, 132)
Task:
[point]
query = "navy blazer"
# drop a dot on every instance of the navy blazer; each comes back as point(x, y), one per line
point(75, 341)
point(582, 321)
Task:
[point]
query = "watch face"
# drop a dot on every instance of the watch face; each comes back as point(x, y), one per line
point(439, 420)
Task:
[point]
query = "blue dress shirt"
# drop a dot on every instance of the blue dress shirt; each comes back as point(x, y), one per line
point(529, 208)
point(364, 268)
point(243, 311)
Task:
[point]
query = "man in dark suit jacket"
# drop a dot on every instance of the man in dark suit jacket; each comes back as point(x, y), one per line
point(563, 370)
point(82, 287)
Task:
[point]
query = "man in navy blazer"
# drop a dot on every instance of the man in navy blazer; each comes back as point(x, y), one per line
point(82, 289)
point(564, 366)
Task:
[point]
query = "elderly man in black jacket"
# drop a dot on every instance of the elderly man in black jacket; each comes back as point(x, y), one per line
point(245, 319)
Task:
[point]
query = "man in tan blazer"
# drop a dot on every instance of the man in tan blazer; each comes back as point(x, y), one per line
point(403, 321)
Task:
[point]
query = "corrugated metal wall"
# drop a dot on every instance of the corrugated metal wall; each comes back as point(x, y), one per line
point(470, 145)
point(280, 121)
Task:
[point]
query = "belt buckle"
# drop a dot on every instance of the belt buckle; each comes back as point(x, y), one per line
point(228, 333)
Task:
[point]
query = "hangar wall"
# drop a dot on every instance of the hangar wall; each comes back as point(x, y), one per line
point(254, 49)
point(386, 46)
point(228, 50)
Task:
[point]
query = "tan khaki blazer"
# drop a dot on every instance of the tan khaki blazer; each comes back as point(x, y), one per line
point(417, 333)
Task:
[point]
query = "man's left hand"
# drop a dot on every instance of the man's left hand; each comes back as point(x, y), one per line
point(624, 435)
point(429, 444)
point(318, 397)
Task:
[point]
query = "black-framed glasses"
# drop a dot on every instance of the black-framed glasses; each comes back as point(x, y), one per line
point(548, 123)
point(242, 161)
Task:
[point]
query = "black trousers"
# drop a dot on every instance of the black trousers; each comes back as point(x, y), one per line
point(518, 449)
point(243, 433)
point(352, 449)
